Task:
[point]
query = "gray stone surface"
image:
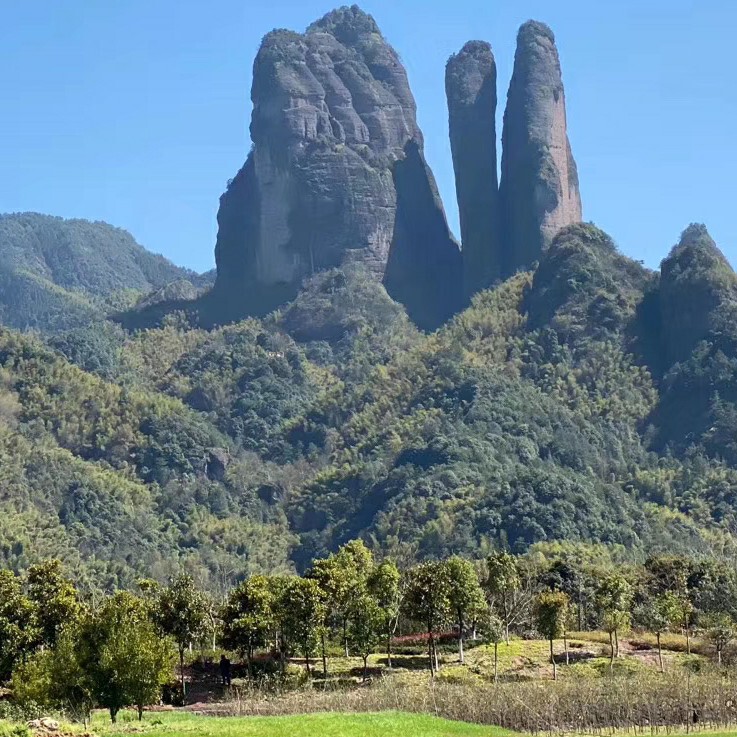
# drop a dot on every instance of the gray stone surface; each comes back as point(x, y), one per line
point(539, 190)
point(335, 132)
point(470, 84)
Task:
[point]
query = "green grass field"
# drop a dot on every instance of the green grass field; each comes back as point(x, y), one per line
point(388, 724)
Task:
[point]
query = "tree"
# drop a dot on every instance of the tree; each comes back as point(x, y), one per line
point(573, 576)
point(343, 577)
point(248, 617)
point(614, 601)
point(128, 660)
point(465, 595)
point(54, 598)
point(18, 633)
point(385, 586)
point(503, 586)
point(57, 678)
point(364, 628)
point(427, 601)
point(671, 574)
point(280, 607)
point(304, 615)
point(181, 612)
point(494, 635)
point(551, 610)
point(114, 657)
point(658, 614)
point(720, 630)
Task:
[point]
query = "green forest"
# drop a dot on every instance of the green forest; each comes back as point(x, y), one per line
point(588, 400)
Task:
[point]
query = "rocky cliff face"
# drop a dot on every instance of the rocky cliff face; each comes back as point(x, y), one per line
point(539, 191)
point(470, 84)
point(336, 174)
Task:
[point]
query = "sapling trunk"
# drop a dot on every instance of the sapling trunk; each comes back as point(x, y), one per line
point(552, 660)
point(611, 651)
point(660, 653)
point(324, 656)
point(181, 671)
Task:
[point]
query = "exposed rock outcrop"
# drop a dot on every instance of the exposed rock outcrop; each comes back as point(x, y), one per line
point(539, 191)
point(470, 85)
point(336, 174)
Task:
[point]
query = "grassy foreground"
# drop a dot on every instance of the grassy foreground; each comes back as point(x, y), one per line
point(387, 724)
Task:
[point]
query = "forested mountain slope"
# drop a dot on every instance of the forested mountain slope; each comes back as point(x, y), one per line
point(536, 414)
point(57, 274)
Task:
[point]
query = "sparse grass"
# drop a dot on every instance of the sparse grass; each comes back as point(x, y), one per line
point(387, 724)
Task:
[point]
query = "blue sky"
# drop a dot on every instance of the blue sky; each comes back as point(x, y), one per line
point(137, 112)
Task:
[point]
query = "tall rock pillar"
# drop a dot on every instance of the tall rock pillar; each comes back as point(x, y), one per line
point(470, 84)
point(539, 192)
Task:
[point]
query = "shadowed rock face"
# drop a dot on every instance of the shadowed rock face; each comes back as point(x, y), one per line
point(470, 85)
point(333, 119)
point(539, 191)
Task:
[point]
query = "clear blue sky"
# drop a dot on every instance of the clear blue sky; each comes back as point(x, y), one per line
point(136, 111)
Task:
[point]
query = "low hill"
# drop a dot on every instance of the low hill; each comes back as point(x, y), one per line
point(56, 273)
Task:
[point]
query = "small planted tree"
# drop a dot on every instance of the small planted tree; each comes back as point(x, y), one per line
point(427, 601)
point(181, 612)
point(364, 628)
point(503, 587)
point(385, 586)
point(304, 615)
point(614, 601)
point(720, 630)
point(494, 635)
point(658, 614)
point(127, 659)
point(465, 595)
point(248, 617)
point(551, 610)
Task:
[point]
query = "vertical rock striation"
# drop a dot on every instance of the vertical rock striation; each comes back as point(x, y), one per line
point(336, 174)
point(470, 85)
point(539, 191)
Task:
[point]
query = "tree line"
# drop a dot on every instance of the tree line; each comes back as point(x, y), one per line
point(61, 650)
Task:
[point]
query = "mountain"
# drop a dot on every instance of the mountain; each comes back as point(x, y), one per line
point(531, 416)
point(331, 384)
point(57, 274)
point(470, 84)
point(539, 188)
point(336, 175)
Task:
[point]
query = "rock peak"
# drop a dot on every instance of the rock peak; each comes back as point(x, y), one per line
point(346, 23)
point(337, 175)
point(533, 29)
point(539, 189)
point(470, 84)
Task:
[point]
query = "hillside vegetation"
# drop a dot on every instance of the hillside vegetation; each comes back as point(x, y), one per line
point(561, 405)
point(57, 273)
